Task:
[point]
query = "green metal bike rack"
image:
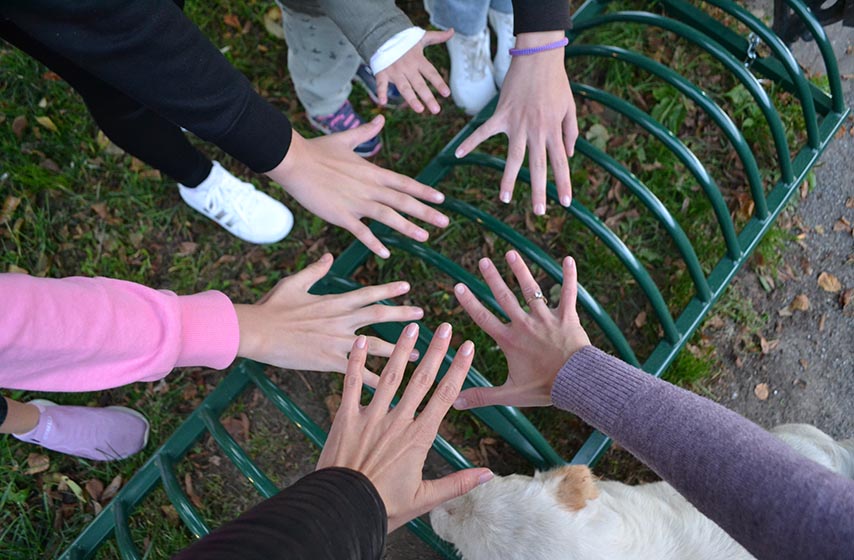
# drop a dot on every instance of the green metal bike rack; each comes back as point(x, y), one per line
point(823, 114)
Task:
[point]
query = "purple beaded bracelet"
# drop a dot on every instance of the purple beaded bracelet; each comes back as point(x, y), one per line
point(556, 45)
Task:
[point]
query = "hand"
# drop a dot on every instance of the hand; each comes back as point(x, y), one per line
point(293, 329)
point(409, 72)
point(535, 109)
point(536, 344)
point(329, 180)
point(390, 446)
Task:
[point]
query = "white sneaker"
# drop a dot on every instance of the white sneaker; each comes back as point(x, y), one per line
point(472, 83)
point(238, 207)
point(502, 24)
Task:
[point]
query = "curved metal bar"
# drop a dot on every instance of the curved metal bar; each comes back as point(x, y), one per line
point(610, 239)
point(237, 455)
point(124, 540)
point(186, 511)
point(287, 407)
point(724, 57)
point(784, 55)
point(733, 134)
point(824, 46)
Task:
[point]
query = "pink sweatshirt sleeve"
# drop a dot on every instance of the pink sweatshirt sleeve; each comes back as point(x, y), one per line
point(85, 334)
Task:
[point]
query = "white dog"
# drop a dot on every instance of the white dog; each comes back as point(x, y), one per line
point(567, 514)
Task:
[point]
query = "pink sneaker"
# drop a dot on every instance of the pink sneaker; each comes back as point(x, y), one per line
point(101, 434)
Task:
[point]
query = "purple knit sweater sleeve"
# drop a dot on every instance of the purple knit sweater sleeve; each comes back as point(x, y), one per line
point(774, 502)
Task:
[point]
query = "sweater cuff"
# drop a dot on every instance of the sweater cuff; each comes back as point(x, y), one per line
point(541, 15)
point(260, 138)
point(596, 387)
point(209, 331)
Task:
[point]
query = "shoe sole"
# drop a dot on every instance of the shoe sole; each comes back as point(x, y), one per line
point(45, 402)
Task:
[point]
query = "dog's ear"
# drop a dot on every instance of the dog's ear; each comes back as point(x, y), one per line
point(576, 485)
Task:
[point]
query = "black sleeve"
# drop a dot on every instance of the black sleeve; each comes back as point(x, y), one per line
point(540, 15)
point(152, 52)
point(330, 514)
point(4, 410)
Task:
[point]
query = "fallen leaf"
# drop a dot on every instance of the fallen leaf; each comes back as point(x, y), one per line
point(37, 463)
point(47, 123)
point(9, 206)
point(232, 20)
point(191, 492)
point(800, 303)
point(761, 391)
point(43, 103)
point(50, 165)
point(75, 489)
point(51, 76)
point(640, 320)
point(15, 269)
point(100, 208)
point(187, 248)
point(821, 321)
point(715, 322)
point(785, 312)
point(842, 225)
point(170, 512)
point(19, 125)
point(598, 135)
point(112, 489)
point(766, 282)
point(767, 345)
point(819, 230)
point(799, 383)
point(95, 488)
point(829, 283)
point(849, 202)
point(845, 298)
point(805, 189)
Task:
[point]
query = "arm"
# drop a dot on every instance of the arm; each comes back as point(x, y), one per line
point(776, 503)
point(83, 334)
point(332, 513)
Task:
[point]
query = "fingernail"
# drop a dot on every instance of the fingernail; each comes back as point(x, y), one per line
point(445, 92)
point(326, 257)
point(418, 313)
point(483, 264)
point(361, 341)
point(460, 403)
point(540, 209)
point(511, 256)
point(414, 355)
point(565, 200)
point(411, 330)
point(504, 197)
point(421, 235)
point(403, 287)
point(459, 153)
point(444, 330)
point(444, 220)
point(571, 262)
point(460, 289)
point(485, 477)
point(384, 253)
point(467, 348)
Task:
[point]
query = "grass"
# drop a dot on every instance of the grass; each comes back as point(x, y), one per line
point(72, 205)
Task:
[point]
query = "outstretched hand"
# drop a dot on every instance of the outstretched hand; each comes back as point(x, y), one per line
point(293, 329)
point(329, 180)
point(536, 111)
point(536, 343)
point(389, 446)
point(411, 72)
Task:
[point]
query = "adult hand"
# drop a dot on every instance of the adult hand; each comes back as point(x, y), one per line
point(390, 446)
point(410, 71)
point(536, 343)
point(535, 109)
point(329, 180)
point(293, 329)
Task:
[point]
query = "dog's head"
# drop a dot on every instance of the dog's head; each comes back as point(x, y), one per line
point(517, 516)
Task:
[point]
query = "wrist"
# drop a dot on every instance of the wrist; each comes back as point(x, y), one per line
point(538, 39)
point(249, 342)
point(287, 166)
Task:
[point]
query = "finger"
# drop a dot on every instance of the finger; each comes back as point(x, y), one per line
point(425, 373)
point(454, 485)
point(380, 313)
point(515, 158)
point(382, 88)
point(308, 277)
point(364, 234)
point(362, 133)
point(537, 164)
point(392, 202)
point(560, 167)
point(352, 393)
point(423, 91)
point(386, 215)
point(437, 37)
point(482, 317)
point(526, 282)
point(383, 349)
point(406, 185)
point(570, 131)
point(569, 291)
point(429, 71)
point(408, 93)
point(393, 370)
point(447, 392)
point(487, 130)
point(372, 294)
point(503, 295)
point(477, 397)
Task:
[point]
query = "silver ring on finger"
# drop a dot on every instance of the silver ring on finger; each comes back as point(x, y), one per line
point(538, 294)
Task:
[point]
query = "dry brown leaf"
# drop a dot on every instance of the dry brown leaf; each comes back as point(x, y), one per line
point(841, 225)
point(805, 189)
point(232, 20)
point(191, 492)
point(845, 298)
point(50, 165)
point(849, 202)
point(804, 363)
point(186, 248)
point(170, 512)
point(19, 125)
point(273, 22)
point(112, 489)
point(640, 320)
point(9, 206)
point(37, 463)
point(800, 303)
point(768, 345)
point(761, 391)
point(95, 488)
point(47, 123)
point(715, 322)
point(821, 321)
point(829, 283)
point(100, 208)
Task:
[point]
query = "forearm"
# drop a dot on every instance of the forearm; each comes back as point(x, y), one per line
point(151, 52)
point(83, 334)
point(332, 513)
point(776, 503)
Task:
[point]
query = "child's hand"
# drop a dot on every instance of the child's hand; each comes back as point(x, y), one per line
point(409, 72)
point(293, 329)
point(389, 446)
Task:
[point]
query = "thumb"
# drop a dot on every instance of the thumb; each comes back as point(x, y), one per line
point(455, 485)
point(477, 397)
point(363, 133)
point(437, 37)
point(308, 277)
